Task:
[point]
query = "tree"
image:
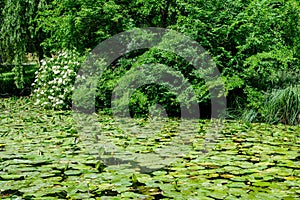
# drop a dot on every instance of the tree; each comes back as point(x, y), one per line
point(17, 33)
point(80, 24)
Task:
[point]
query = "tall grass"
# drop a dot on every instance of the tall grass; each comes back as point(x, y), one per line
point(250, 115)
point(283, 106)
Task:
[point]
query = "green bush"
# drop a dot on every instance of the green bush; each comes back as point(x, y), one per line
point(55, 78)
point(151, 94)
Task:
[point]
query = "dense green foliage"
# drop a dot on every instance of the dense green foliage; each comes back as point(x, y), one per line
point(255, 44)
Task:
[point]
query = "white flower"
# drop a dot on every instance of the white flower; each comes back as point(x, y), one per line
point(69, 71)
point(60, 81)
point(43, 62)
point(66, 67)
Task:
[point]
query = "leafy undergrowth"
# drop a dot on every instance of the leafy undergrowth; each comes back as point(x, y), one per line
point(43, 156)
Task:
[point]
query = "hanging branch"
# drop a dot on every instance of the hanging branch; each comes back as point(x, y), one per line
point(17, 33)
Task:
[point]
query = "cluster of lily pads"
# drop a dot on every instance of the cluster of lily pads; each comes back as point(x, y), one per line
point(43, 155)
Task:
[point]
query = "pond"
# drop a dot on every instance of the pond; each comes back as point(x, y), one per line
point(44, 156)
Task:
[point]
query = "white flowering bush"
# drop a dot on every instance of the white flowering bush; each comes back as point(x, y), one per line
point(53, 84)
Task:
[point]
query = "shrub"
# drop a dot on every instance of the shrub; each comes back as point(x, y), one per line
point(55, 78)
point(151, 92)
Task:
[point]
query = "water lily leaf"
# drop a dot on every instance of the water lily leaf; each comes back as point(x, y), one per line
point(237, 185)
point(218, 194)
point(262, 184)
point(12, 177)
point(73, 173)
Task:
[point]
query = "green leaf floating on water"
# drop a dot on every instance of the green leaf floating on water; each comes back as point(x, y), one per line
point(262, 184)
point(12, 177)
point(218, 194)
